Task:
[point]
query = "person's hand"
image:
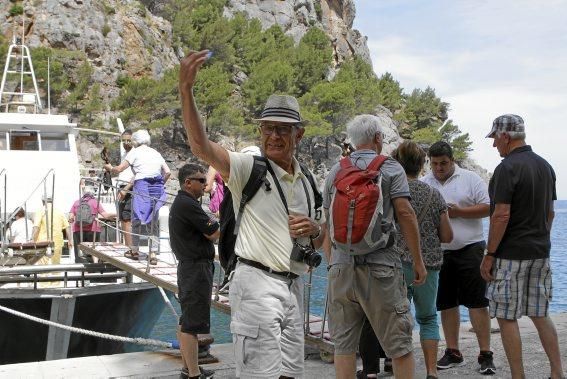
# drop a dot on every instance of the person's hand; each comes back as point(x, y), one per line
point(302, 226)
point(188, 69)
point(69, 244)
point(486, 267)
point(419, 273)
point(121, 195)
point(453, 210)
point(108, 167)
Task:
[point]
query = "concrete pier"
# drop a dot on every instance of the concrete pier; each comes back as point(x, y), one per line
point(166, 364)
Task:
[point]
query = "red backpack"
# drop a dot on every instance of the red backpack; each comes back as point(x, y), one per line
point(356, 214)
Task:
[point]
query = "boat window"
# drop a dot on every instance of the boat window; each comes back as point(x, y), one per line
point(54, 142)
point(3, 139)
point(20, 140)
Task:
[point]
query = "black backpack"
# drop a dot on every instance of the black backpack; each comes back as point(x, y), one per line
point(229, 224)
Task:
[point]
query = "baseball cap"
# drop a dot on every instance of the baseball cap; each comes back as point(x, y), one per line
point(507, 123)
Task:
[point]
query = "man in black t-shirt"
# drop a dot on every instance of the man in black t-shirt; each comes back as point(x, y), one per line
point(192, 233)
point(516, 259)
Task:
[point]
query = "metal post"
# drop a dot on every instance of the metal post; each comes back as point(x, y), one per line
point(308, 310)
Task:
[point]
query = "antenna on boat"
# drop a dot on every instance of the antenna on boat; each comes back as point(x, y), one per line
point(48, 86)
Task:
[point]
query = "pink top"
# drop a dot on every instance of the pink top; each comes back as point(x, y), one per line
point(95, 227)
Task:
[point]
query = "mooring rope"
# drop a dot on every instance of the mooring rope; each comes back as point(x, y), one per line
point(137, 340)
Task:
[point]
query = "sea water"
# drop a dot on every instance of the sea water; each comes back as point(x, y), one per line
point(220, 329)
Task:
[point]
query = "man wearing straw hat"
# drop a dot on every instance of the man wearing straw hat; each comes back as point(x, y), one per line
point(266, 289)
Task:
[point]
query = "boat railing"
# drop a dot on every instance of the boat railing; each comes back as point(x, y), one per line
point(48, 178)
point(79, 273)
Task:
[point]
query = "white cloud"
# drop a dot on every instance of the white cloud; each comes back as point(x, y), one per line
point(485, 58)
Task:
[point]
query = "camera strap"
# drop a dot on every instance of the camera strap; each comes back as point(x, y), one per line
point(282, 196)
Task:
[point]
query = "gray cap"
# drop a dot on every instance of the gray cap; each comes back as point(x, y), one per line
point(507, 123)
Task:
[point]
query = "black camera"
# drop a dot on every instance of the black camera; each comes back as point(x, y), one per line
point(305, 254)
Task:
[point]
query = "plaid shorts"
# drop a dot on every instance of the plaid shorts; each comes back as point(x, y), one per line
point(520, 287)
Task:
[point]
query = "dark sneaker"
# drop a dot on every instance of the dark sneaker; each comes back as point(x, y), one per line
point(361, 375)
point(388, 365)
point(205, 374)
point(452, 358)
point(486, 363)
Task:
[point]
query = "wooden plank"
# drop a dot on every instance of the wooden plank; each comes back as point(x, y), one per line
point(165, 275)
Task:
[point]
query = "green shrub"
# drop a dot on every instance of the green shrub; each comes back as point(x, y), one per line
point(105, 30)
point(16, 10)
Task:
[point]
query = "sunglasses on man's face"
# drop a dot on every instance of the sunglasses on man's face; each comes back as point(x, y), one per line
point(200, 180)
point(281, 130)
point(126, 141)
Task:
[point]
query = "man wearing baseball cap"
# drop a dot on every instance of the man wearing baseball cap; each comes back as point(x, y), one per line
point(516, 260)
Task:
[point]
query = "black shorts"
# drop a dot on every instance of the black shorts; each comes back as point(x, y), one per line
point(195, 282)
point(125, 208)
point(460, 282)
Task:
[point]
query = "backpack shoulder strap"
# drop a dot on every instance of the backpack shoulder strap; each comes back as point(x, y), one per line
point(346, 162)
point(377, 162)
point(316, 193)
point(255, 181)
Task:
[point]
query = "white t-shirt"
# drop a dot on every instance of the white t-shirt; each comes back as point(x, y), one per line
point(125, 176)
point(464, 188)
point(17, 231)
point(264, 232)
point(146, 162)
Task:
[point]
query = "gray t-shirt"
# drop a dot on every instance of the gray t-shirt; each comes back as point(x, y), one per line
point(394, 185)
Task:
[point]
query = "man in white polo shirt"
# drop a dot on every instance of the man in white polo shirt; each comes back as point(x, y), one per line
point(460, 282)
point(266, 290)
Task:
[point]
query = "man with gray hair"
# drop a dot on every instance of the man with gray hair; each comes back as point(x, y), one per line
point(516, 261)
point(371, 284)
point(274, 227)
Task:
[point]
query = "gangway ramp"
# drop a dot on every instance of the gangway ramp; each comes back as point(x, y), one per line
point(164, 275)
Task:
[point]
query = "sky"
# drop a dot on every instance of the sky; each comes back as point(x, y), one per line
point(485, 58)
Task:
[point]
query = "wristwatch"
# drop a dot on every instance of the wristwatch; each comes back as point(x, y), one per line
point(487, 253)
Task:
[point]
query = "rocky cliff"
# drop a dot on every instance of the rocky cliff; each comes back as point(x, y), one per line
point(129, 38)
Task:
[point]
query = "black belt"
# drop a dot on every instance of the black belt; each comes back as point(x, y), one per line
point(258, 265)
point(470, 245)
point(197, 260)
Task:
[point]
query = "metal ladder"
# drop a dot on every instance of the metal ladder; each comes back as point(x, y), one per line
point(19, 66)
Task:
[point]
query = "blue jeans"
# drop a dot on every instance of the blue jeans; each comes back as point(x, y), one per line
point(424, 300)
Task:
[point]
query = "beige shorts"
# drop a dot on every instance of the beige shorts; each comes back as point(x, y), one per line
point(377, 291)
point(266, 324)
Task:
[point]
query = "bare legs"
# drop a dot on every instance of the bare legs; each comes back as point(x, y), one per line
point(345, 366)
point(189, 346)
point(451, 321)
point(480, 320)
point(429, 348)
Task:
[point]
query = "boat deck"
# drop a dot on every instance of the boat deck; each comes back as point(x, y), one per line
point(164, 275)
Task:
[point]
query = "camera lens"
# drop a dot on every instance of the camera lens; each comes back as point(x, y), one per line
point(313, 259)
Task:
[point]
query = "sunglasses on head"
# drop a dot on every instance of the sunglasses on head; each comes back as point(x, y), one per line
point(200, 180)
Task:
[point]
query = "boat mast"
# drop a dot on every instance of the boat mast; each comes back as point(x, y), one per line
point(19, 98)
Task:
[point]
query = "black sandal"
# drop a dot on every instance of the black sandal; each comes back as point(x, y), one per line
point(134, 255)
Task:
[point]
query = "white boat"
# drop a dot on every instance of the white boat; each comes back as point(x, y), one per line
point(38, 155)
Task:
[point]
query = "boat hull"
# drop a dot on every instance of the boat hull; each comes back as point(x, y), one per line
point(129, 310)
